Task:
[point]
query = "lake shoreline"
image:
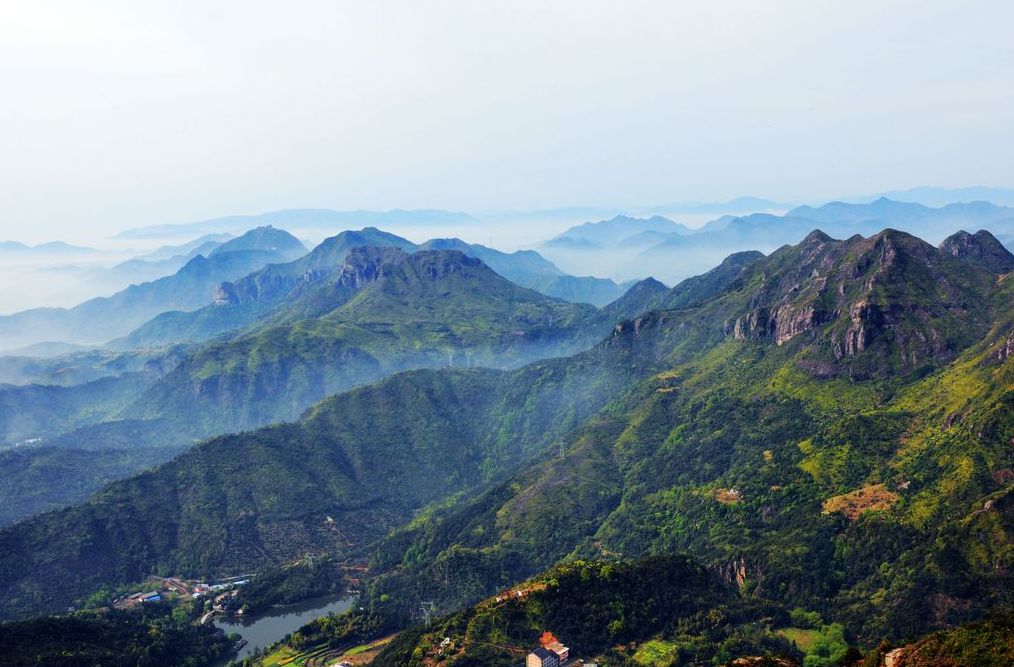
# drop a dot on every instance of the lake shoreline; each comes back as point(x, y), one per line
point(273, 624)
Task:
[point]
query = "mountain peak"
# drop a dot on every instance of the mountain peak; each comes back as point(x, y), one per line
point(982, 249)
point(650, 284)
point(619, 227)
point(365, 264)
point(642, 296)
point(436, 264)
point(892, 242)
point(815, 237)
point(884, 304)
point(266, 238)
point(358, 237)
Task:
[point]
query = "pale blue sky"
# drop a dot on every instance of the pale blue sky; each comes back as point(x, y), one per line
point(119, 114)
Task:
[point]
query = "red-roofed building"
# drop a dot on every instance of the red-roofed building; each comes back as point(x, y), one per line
point(542, 657)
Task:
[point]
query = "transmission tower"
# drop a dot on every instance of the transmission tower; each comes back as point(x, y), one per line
point(428, 609)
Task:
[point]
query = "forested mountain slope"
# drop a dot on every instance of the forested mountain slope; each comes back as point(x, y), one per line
point(831, 431)
point(383, 311)
point(367, 458)
point(663, 610)
point(845, 447)
point(41, 477)
point(79, 367)
point(33, 412)
point(241, 302)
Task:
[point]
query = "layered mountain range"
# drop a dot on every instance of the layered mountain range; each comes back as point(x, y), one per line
point(346, 314)
point(99, 320)
point(382, 311)
point(254, 297)
point(670, 251)
point(827, 427)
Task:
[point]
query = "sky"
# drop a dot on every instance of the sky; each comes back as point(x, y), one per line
point(123, 114)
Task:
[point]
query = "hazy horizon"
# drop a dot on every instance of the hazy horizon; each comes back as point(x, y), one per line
point(130, 115)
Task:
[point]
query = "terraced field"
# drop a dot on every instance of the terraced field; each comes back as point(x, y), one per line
point(324, 657)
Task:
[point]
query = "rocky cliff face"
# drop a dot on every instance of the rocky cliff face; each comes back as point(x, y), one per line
point(366, 265)
point(225, 293)
point(891, 298)
point(1005, 350)
point(279, 281)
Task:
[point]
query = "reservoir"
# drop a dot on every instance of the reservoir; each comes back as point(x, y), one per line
point(270, 626)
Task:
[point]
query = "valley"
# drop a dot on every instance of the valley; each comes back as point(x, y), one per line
point(528, 334)
point(804, 453)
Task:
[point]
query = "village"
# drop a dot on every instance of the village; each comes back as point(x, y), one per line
point(160, 589)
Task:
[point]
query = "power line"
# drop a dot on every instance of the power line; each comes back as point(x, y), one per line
point(428, 609)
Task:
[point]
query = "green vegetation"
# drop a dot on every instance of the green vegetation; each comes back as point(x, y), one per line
point(984, 644)
point(368, 459)
point(662, 610)
point(831, 432)
point(827, 648)
point(38, 411)
point(800, 637)
point(643, 477)
point(289, 584)
point(152, 635)
point(656, 653)
point(384, 312)
point(42, 478)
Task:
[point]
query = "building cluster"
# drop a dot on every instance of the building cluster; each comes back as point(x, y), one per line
point(552, 653)
point(169, 588)
point(202, 589)
point(138, 598)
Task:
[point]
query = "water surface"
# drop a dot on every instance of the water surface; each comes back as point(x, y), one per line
point(270, 626)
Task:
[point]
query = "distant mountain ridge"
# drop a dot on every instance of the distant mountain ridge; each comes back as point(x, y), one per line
point(748, 428)
point(170, 251)
point(676, 254)
point(16, 248)
point(159, 263)
point(240, 303)
point(101, 319)
point(614, 230)
point(930, 223)
point(934, 196)
point(289, 293)
point(528, 268)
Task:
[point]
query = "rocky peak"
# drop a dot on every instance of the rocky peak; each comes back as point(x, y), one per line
point(366, 264)
point(226, 294)
point(437, 264)
point(891, 292)
point(981, 248)
point(643, 295)
point(815, 238)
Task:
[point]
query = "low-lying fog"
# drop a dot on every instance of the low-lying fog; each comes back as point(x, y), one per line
point(66, 279)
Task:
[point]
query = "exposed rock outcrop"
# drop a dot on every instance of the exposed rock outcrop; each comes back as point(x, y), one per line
point(892, 300)
point(982, 249)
